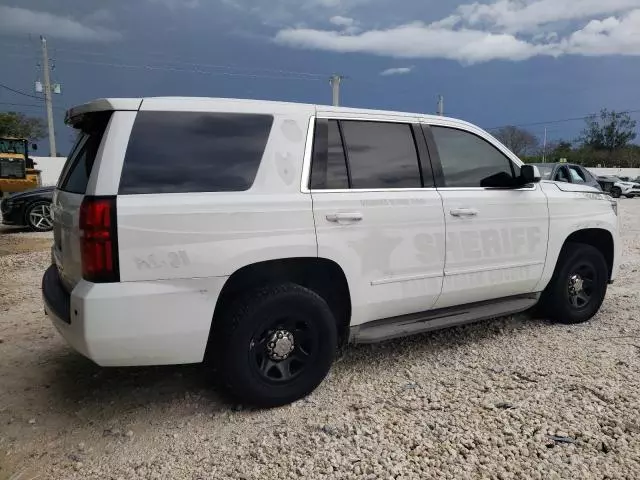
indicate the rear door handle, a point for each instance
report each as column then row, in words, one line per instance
column 463, row 212
column 342, row 218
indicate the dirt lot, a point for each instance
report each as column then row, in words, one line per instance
column 510, row 398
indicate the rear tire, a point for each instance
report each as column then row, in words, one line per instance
column 275, row 345
column 578, row 286
column 38, row 216
column 616, row 192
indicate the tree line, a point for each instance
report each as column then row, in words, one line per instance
column 606, row 140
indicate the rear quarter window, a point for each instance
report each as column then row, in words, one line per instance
column 77, row 170
column 180, row 152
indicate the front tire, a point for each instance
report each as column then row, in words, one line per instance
column 616, row 192
column 275, row 345
column 578, row 286
column 38, row 217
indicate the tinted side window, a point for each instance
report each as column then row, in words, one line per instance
column 329, row 167
column 179, row 152
column 76, row 172
column 381, row 155
column 561, row 175
column 576, row 175
column 468, row 159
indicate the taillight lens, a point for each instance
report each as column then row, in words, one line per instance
column 98, row 239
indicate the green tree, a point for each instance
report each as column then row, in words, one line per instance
column 559, row 149
column 609, row 131
column 13, row 124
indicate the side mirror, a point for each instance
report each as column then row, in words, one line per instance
column 529, row 174
column 34, row 146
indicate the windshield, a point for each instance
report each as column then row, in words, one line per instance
column 545, row 170
column 12, row 146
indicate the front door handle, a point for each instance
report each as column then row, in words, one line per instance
column 342, row 218
column 463, row 212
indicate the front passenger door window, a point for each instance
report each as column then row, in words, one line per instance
column 467, row 160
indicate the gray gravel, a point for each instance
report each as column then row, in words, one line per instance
column 510, row 398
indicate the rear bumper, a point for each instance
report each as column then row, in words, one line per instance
column 135, row 323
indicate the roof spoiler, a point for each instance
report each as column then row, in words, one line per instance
column 102, row 105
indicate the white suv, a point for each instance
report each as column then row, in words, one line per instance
column 623, row 188
column 266, row 235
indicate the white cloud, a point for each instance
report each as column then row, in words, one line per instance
column 611, row 36
column 518, row 16
column 416, row 40
column 503, row 30
column 396, row 71
column 16, row 20
column 341, row 21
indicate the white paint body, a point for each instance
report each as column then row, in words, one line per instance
column 408, row 253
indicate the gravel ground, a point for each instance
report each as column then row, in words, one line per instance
column 510, row 398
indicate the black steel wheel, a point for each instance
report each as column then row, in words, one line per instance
column 281, row 351
column 275, row 345
column 578, row 286
column 616, row 192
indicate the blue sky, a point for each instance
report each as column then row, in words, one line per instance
column 497, row 62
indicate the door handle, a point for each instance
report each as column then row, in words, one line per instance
column 344, row 217
column 463, row 212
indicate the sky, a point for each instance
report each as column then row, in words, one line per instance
column 497, row 62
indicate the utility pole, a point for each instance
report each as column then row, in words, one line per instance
column 48, row 99
column 335, row 89
column 440, row 105
column 544, row 146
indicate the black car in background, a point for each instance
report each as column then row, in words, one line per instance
column 567, row 172
column 31, row 208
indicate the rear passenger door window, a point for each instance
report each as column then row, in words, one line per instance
column 181, row 152
column 561, row 175
column 365, row 155
column 468, row 160
column 329, row 168
column 381, row 155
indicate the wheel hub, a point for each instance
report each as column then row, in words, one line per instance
column 280, row 345
column 576, row 284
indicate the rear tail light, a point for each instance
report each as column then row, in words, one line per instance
column 99, row 240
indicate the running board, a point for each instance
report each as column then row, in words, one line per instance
column 405, row 325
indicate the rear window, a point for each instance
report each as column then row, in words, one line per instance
column 90, row 129
column 180, row 152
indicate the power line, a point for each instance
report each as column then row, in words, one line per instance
column 19, row 92
column 178, row 69
column 176, row 61
column 34, row 105
column 173, row 60
column 563, row 120
column 198, row 68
